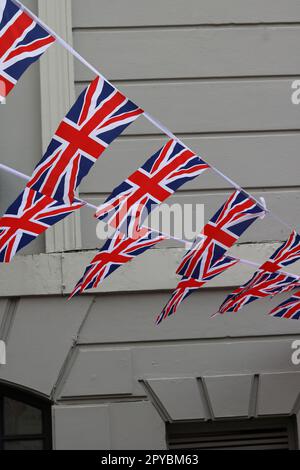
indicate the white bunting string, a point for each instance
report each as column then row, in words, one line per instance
column 187, row 244
column 150, row 118
column 20, row 175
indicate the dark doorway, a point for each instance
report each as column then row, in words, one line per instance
column 25, row 420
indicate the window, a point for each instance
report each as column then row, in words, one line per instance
column 252, row 434
column 25, row 420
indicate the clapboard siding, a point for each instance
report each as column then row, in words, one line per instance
column 20, row 138
column 215, row 105
column 219, row 75
column 120, row 13
column 189, row 52
column 276, row 156
column 285, row 203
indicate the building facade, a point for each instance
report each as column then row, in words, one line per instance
column 95, row 372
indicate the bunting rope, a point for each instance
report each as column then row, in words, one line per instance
column 150, row 118
column 24, row 177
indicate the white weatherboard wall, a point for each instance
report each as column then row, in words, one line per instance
column 220, row 79
column 219, row 74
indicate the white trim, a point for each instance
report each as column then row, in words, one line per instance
column 57, row 96
column 45, row 274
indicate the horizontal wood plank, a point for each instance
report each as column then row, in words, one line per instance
column 116, row 13
column 215, row 105
column 189, row 52
column 138, row 275
column 263, row 161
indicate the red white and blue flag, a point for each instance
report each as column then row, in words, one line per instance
column 188, row 285
column 219, row 234
column 116, row 251
column 286, row 254
column 22, row 42
column 261, row 285
column 27, row 218
column 132, row 201
column 290, row 308
column 99, row 116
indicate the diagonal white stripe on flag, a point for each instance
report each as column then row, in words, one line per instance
column 2, row 5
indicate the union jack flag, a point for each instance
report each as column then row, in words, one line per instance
column 27, row 218
column 219, row 234
column 188, row 285
column 168, row 169
column 100, row 115
column 290, row 308
column 22, row 42
column 286, row 254
column 116, row 251
column 290, row 287
column 261, row 285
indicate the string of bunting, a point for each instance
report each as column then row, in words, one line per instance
column 166, row 236
column 99, row 115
